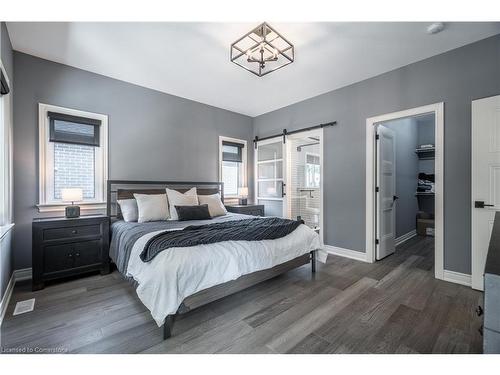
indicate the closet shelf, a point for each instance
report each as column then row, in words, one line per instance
column 427, row 149
column 426, row 153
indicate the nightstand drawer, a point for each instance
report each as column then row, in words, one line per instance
column 71, row 255
column 257, row 212
column 71, row 232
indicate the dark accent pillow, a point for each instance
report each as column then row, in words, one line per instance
column 199, row 212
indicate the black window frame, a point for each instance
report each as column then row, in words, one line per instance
column 4, row 86
column 58, row 137
column 229, row 156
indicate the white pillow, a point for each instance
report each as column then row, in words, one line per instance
column 151, row 207
column 215, row 205
column 129, row 210
column 189, row 198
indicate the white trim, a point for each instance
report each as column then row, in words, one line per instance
column 322, row 187
column 61, row 207
column 244, row 179
column 17, row 275
column 5, row 229
column 405, row 237
column 23, row 274
column 6, row 297
column 457, row 278
column 346, row 253
column 438, row 110
column 43, row 157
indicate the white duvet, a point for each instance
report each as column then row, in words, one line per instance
column 177, row 273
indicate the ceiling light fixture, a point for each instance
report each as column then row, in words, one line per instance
column 435, row 28
column 262, row 51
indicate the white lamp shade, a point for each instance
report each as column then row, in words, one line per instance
column 72, row 195
column 244, row 191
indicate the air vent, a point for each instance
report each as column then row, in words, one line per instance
column 24, row 306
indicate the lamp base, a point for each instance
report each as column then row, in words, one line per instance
column 72, row 212
column 243, row 201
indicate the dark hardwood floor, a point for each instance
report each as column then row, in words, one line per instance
column 392, row 306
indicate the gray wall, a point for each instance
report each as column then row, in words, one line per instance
column 152, row 135
column 406, row 173
column 5, row 243
column 455, row 78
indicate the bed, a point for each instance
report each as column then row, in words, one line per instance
column 181, row 279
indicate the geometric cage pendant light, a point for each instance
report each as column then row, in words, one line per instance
column 262, row 51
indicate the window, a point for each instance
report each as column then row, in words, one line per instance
column 233, row 164
column 312, row 171
column 73, row 154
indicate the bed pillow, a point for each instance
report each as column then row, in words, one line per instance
column 215, row 205
column 129, row 210
column 151, row 207
column 198, row 212
column 189, row 198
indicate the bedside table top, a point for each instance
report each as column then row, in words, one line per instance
column 63, row 218
column 244, row 205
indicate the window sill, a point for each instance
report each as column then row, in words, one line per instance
column 4, row 229
column 60, row 207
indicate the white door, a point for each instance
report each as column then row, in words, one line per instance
column 386, row 183
column 270, row 166
column 485, row 180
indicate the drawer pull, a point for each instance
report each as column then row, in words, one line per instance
column 74, row 231
column 77, row 254
column 70, row 255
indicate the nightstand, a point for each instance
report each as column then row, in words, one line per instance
column 66, row 247
column 249, row 209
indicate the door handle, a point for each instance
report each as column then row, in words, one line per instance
column 481, row 204
column 395, row 198
column 283, row 192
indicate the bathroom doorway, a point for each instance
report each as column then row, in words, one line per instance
column 304, row 177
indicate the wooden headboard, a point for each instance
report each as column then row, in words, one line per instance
column 123, row 189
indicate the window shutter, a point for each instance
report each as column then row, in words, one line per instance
column 232, row 151
column 74, row 129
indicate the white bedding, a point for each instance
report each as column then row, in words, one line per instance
column 177, row 273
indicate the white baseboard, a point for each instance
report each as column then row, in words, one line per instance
column 23, row 274
column 347, row 253
column 457, row 278
column 17, row 275
column 6, row 297
column 405, row 237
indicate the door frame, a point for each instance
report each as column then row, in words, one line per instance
column 438, row 110
column 284, row 199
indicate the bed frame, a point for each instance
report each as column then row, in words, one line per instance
column 124, row 189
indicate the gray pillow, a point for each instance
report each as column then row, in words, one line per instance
column 129, row 210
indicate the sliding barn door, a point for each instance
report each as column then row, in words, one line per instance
column 270, row 170
column 386, row 192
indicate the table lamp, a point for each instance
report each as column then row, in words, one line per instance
column 72, row 195
column 243, row 195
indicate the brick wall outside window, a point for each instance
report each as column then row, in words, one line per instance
column 74, row 168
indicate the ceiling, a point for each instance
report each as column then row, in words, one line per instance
column 191, row 60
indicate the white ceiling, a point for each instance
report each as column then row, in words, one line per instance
column 191, row 60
